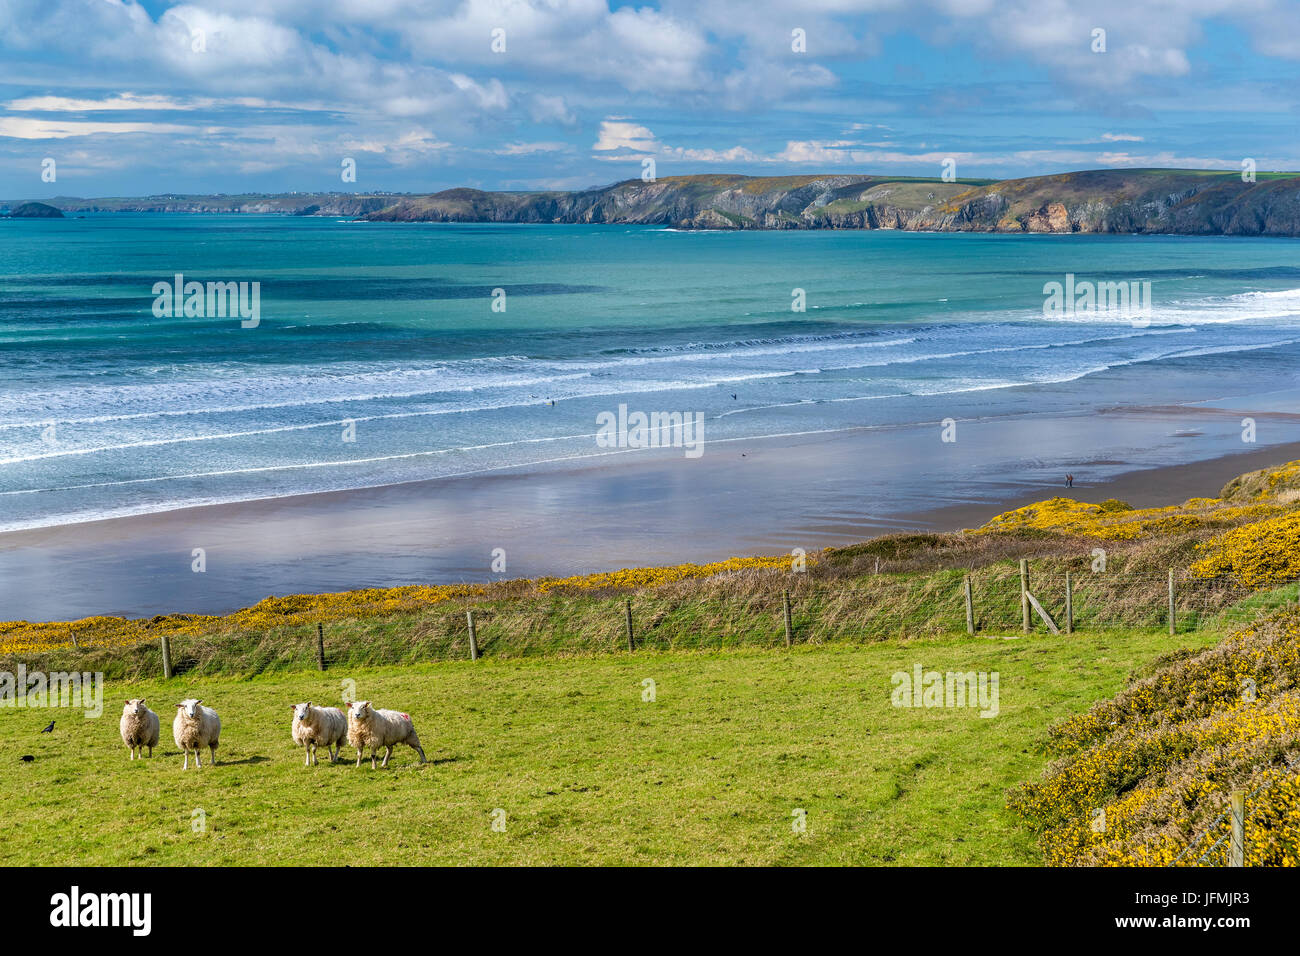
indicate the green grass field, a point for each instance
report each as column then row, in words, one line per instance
column 710, row 772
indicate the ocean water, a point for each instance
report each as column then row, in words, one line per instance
column 379, row 357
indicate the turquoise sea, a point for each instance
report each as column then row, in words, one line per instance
column 107, row 410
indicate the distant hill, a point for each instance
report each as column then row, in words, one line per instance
column 294, row 204
column 34, row 210
column 1182, row 201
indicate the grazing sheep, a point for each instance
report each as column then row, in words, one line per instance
column 372, row 728
column 139, row 726
column 313, row 726
column 194, row 728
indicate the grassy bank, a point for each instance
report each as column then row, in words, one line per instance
column 586, row 771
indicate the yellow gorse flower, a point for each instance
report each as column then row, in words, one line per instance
column 296, row 610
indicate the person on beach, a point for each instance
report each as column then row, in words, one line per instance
column 1069, row 481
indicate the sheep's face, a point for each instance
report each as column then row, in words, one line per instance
column 300, row 711
column 135, row 706
column 190, row 707
column 358, row 710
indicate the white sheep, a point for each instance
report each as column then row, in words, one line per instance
column 194, row 728
column 372, row 728
column 313, row 726
column 139, row 726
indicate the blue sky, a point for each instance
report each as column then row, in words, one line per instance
column 135, row 98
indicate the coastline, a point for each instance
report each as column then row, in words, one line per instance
column 743, row 498
column 1141, row 488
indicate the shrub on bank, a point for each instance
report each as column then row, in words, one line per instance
column 1260, row 554
column 1156, row 763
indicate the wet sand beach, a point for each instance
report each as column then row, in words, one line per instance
column 741, row 497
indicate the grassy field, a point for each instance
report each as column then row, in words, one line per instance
column 585, row 770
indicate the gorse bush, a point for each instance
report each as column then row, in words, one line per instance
column 654, row 577
column 1160, row 759
column 18, row 637
column 299, row 610
column 1115, row 521
column 1258, row 555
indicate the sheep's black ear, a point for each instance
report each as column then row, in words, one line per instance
column 142, row 700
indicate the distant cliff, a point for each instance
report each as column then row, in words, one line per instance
column 346, row 205
column 1188, row 202
column 1191, row 202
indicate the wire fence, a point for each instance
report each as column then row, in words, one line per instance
column 744, row 610
column 1232, row 825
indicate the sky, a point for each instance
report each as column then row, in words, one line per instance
column 126, row 98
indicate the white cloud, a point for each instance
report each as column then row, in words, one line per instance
column 121, row 101
column 530, row 149
column 550, row 109
column 616, row 134
column 637, row 48
column 23, row 127
column 620, row 139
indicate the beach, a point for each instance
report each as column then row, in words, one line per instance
column 644, row 508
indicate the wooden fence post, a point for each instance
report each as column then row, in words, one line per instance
column 167, row 656
column 320, row 646
column 789, row 629
column 1024, row 595
column 627, row 608
column 1069, row 605
column 473, row 635
column 1173, row 614
column 970, row 607
column 1237, row 844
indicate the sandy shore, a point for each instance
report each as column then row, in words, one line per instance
column 1168, row 484
column 747, row 497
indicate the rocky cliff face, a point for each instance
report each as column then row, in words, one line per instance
column 1120, row 201
column 1190, row 202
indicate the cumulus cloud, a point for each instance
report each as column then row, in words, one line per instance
column 620, row 139
column 617, row 135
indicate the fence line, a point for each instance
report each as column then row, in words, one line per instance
column 757, row 610
column 767, row 611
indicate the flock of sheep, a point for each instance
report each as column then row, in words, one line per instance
column 197, row 727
